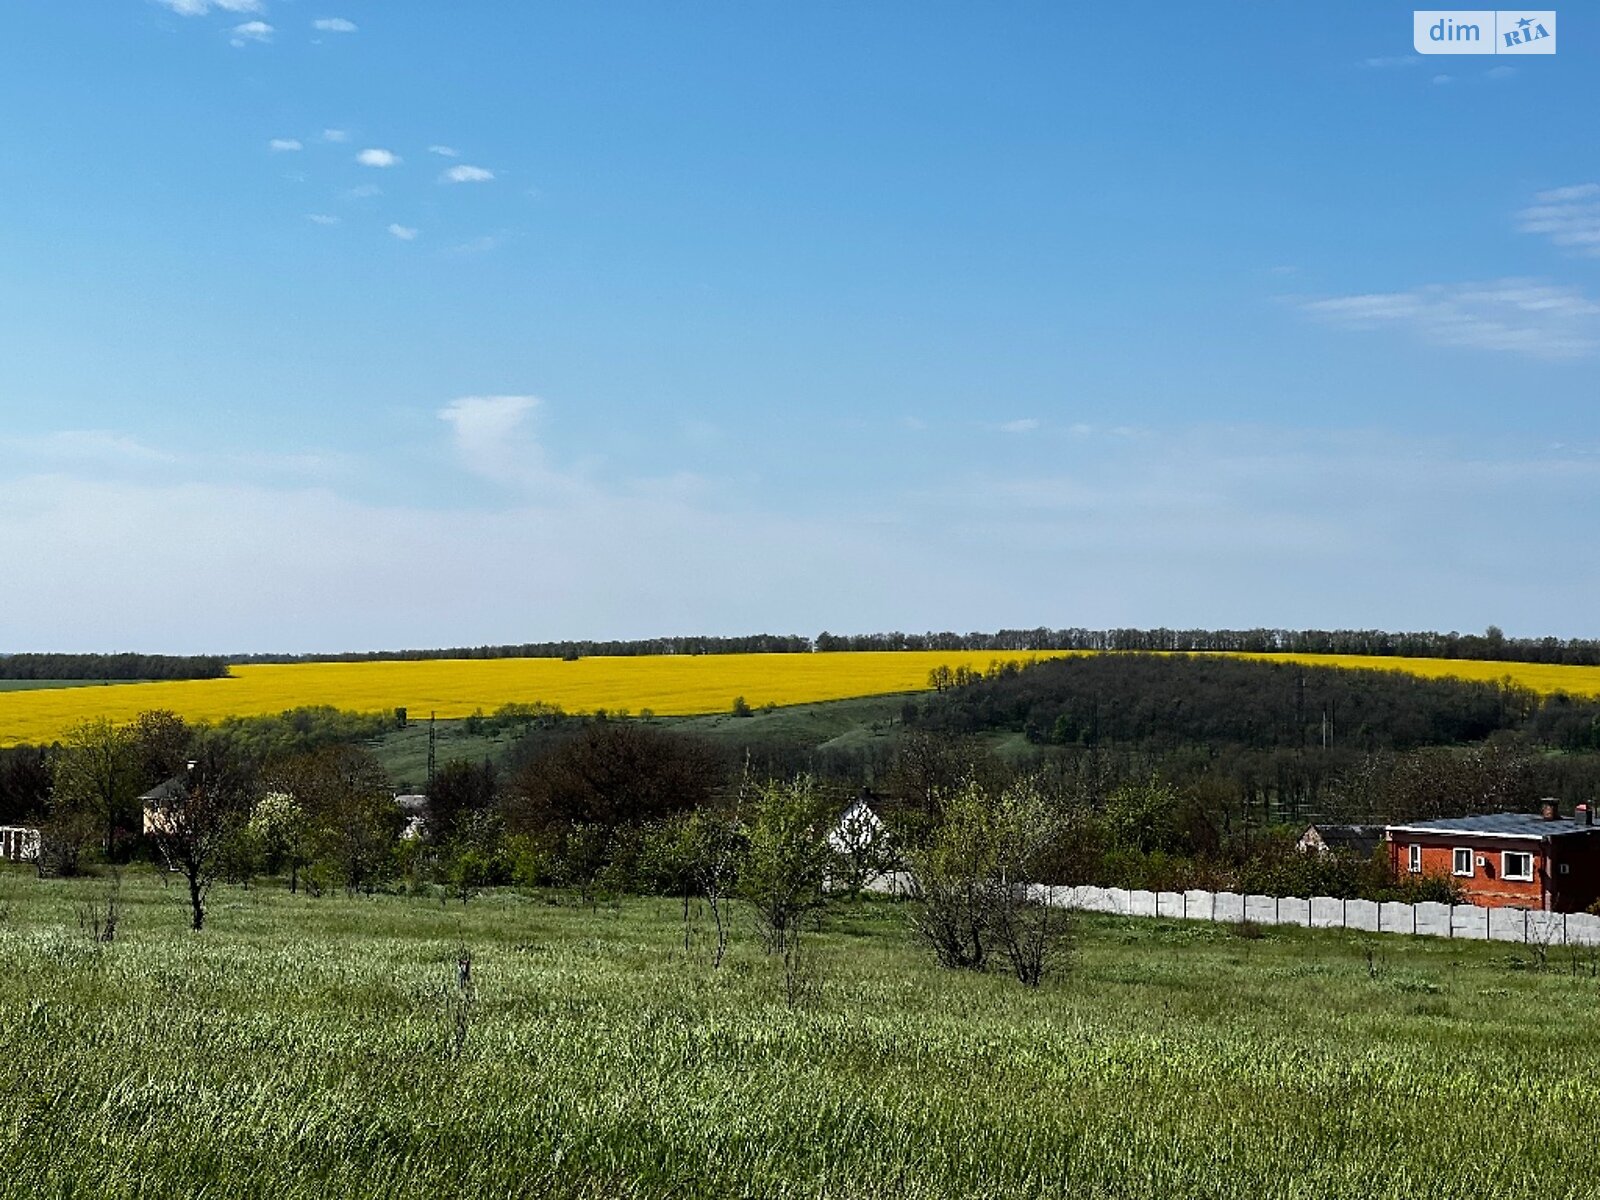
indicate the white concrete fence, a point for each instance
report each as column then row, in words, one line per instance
column 1427, row 919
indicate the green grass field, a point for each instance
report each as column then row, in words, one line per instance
column 36, row 685
column 303, row 1048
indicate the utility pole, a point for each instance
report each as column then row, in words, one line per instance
column 432, row 739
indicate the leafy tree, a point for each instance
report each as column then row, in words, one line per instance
column 461, row 790
column 785, row 868
column 285, row 833
column 613, row 774
column 96, row 775
column 977, row 883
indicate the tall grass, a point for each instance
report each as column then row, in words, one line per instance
column 313, row 1048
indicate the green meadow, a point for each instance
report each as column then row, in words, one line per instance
column 320, row 1047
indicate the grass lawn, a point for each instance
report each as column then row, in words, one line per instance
column 305, row 1048
column 39, row 685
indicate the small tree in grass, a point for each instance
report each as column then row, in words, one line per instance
column 786, row 866
column 195, row 824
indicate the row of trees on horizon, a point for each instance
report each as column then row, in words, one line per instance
column 1491, row 645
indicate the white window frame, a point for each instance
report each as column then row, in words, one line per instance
column 1455, row 861
column 1414, row 858
column 1505, row 866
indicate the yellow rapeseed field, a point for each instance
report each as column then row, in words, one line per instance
column 670, row 685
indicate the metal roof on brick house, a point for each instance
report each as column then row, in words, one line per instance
column 1505, row 825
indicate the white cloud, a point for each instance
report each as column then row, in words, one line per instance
column 1499, row 72
column 252, row 31
column 1520, row 316
column 199, row 8
column 1441, row 79
column 334, row 25
column 404, row 232
column 1568, row 216
column 378, row 158
column 1024, row 425
column 466, row 174
column 335, row 135
column 100, row 447
column 321, row 219
column 445, row 151
column 282, row 144
column 491, row 436
column 365, row 192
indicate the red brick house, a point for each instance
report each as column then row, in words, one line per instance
column 1507, row 860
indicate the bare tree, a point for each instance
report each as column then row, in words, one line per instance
column 194, row 822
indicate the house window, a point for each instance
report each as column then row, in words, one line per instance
column 1414, row 858
column 1517, row 864
column 1461, row 861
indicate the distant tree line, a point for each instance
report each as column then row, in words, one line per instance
column 112, row 666
column 1490, row 645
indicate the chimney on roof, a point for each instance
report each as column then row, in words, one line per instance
column 1583, row 814
column 1550, row 809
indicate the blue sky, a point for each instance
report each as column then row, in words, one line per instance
column 355, row 324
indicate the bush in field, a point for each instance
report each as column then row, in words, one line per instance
column 976, row 881
column 785, row 868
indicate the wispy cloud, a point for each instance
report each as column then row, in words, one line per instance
column 282, row 144
column 252, row 31
column 335, row 135
column 1499, row 72
column 405, row 233
column 1395, row 60
column 334, row 25
column 378, row 158
column 1022, row 425
column 1568, row 216
column 492, row 438
column 321, row 219
column 466, row 174
column 199, row 8
column 102, row 447
column 365, row 192
column 1520, row 316
column 445, row 151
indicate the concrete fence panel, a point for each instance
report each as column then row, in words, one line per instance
column 1263, row 910
column 1361, row 914
column 1142, row 903
column 1120, row 900
column 1469, row 921
column 1199, row 905
column 1294, row 911
column 1582, row 929
column 1229, row 907
column 1169, row 904
column 1327, row 913
column 1508, row 924
column 1434, row 919
column 1395, row 917
column 1546, row 928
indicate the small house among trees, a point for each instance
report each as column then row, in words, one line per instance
column 19, row 843
column 1357, row 841
column 1506, row 860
